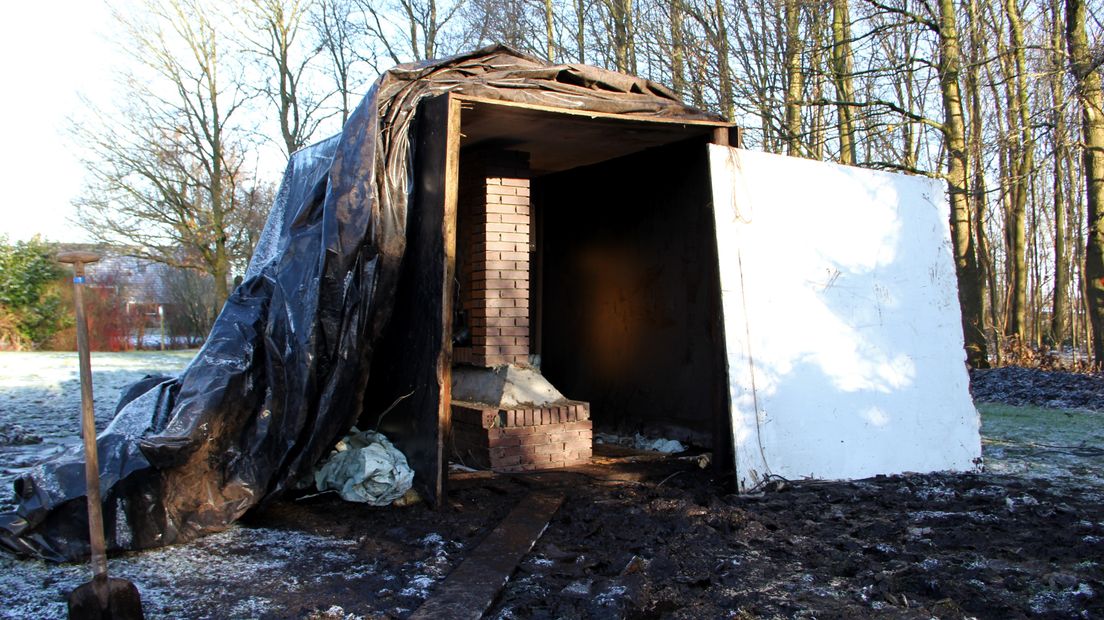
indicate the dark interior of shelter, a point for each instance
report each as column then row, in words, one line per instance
column 584, row 250
column 628, row 291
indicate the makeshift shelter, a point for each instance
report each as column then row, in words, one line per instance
column 497, row 212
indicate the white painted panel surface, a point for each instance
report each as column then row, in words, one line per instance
column 842, row 324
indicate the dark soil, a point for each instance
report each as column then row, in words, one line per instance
column 943, row 546
column 675, row 544
column 1026, row 386
column 647, row 538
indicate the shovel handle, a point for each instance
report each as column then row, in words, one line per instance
column 88, row 418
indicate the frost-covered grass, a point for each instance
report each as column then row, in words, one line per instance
column 232, row 574
column 1065, row 444
column 41, row 391
column 40, row 399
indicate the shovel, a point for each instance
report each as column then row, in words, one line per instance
column 103, row 597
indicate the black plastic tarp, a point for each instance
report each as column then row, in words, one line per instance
column 283, row 373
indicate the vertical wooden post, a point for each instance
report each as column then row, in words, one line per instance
column 96, row 540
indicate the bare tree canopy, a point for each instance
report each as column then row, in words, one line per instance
column 996, row 97
column 168, row 167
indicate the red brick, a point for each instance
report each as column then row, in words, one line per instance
column 505, row 461
column 512, row 199
column 507, row 440
column 514, row 274
column 548, row 448
column 493, row 283
column 522, row 428
column 530, row 452
column 513, row 236
column 500, row 246
column 578, row 426
column 513, row 293
column 493, row 265
column 493, row 341
column 503, row 303
column 533, row 439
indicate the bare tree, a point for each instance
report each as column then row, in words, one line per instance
column 1021, row 150
column 343, row 41
column 1087, row 78
column 274, row 35
column 842, row 70
column 795, row 75
column 167, row 175
column 1059, row 318
column 962, row 238
column 410, row 29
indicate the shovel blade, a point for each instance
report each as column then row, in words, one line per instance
column 106, row 599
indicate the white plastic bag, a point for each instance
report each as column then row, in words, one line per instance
column 366, row 468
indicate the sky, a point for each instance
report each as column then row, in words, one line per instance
column 52, row 51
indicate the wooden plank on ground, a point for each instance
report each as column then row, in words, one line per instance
column 471, row 588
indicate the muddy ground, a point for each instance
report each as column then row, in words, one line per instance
column 665, row 539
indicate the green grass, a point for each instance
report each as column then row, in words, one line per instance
column 1041, row 441
column 1039, row 424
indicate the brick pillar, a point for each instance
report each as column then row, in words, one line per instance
column 494, row 198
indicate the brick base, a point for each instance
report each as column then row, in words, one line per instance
column 522, row 439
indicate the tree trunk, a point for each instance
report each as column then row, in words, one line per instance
column 978, row 198
column 795, row 82
column 549, row 32
column 724, row 70
column 1059, row 317
column 1022, row 155
column 580, row 32
column 678, row 48
column 842, row 70
column 966, row 268
column 1092, row 135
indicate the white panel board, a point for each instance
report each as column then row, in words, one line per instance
column 842, row 324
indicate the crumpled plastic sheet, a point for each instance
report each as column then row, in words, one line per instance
column 283, row 372
column 641, row 442
column 367, row 468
